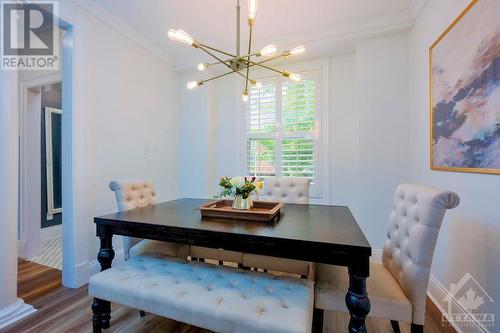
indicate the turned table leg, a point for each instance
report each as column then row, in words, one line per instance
column 357, row 298
column 102, row 308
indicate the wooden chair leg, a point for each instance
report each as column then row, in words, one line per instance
column 395, row 326
column 318, row 315
column 417, row 328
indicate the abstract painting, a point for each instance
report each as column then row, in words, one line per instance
column 465, row 92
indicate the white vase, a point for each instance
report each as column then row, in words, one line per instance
column 240, row 203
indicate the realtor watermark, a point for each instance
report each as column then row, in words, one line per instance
column 29, row 36
column 468, row 305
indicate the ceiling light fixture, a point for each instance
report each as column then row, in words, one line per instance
column 238, row 63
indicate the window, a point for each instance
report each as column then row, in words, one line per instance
column 281, row 126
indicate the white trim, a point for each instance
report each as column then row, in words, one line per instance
column 51, row 210
column 51, row 232
column 436, row 291
column 15, row 312
column 103, row 15
column 94, row 267
column 376, row 256
column 22, row 249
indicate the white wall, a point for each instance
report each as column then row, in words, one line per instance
column 383, row 125
column 470, row 237
column 132, row 122
column 368, row 131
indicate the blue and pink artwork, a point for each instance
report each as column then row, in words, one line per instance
column 465, row 92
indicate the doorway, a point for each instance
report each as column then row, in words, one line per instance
column 40, row 178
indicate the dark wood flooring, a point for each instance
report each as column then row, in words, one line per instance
column 68, row 310
column 35, row 280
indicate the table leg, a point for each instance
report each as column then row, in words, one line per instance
column 318, row 315
column 102, row 308
column 357, row 298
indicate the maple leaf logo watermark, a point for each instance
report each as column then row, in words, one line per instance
column 471, row 301
column 467, row 305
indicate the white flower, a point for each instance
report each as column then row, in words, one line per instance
column 237, row 182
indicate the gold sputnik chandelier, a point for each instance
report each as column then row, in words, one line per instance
column 238, row 63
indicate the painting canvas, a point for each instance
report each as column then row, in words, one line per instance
column 465, row 92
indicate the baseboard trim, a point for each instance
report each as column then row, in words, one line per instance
column 436, row 292
column 15, row 312
column 376, row 255
column 436, row 312
column 94, row 267
column 22, row 249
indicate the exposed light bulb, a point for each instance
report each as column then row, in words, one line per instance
column 268, row 50
column 202, row 66
column 292, row 76
column 295, row 77
column 193, row 84
column 252, row 8
column 298, row 50
column 180, row 36
column 256, row 84
column 245, row 96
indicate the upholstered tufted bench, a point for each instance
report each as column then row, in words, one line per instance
column 218, row 298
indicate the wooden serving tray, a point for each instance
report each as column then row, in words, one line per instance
column 261, row 211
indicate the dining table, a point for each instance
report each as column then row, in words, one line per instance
column 323, row 234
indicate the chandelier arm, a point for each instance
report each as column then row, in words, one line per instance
column 264, row 66
column 248, row 58
column 218, row 76
column 216, row 50
column 269, row 59
column 221, row 61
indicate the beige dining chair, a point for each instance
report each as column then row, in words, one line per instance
column 397, row 287
column 138, row 194
column 291, row 191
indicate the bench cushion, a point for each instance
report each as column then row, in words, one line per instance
column 218, row 298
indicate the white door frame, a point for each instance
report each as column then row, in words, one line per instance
column 76, row 219
column 30, row 176
column 75, row 145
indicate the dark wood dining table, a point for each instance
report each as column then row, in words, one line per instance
column 316, row 233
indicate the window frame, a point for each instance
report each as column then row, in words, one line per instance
column 318, row 70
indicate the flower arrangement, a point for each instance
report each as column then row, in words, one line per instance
column 239, row 186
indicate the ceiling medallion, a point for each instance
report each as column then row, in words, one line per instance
column 238, row 63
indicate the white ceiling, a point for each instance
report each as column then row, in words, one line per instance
column 318, row 24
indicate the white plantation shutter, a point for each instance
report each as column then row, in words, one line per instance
column 281, row 129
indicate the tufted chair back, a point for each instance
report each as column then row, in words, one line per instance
column 130, row 195
column 289, row 190
column 414, row 223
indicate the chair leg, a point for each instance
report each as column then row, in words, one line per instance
column 395, row 326
column 417, row 328
column 98, row 310
column 317, row 326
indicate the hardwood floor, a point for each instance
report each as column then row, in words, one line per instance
column 68, row 310
column 35, row 281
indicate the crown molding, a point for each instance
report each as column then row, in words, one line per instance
column 416, row 7
column 322, row 40
column 92, row 7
